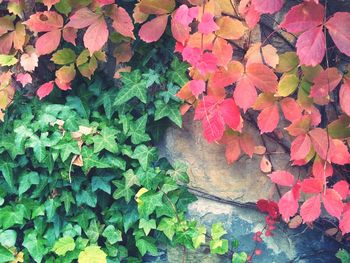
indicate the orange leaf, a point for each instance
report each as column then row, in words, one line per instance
column 96, row 36
column 265, row 165
column 230, row 28
column 122, row 22
column 157, row 7
column 69, row 34
column 262, row 77
column 44, row 21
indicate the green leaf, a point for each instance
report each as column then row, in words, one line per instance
column 64, row 56
column 178, row 72
column 90, row 160
column 6, row 168
column 63, row 245
column 7, row 60
column 67, row 146
column 170, row 110
column 145, row 155
column 137, row 131
column 38, row 147
column 36, row 247
column 167, row 226
column 67, row 199
column 5, row 255
column 8, row 238
column 102, row 183
column 86, row 197
column 149, row 202
column 106, row 140
column 199, row 238
column 147, row 244
column 10, row 216
column 123, row 191
column 343, row 255
column 134, row 86
column 147, row 225
column 217, row 231
column 218, row 246
column 113, row 235
column 179, row 172
column 287, row 85
column 27, row 180
column 92, row 254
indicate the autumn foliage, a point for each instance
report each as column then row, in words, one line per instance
column 226, row 87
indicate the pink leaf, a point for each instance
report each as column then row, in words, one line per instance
column 288, row 204
column 291, row 109
column 48, row 42
column 342, row 188
column 262, row 77
column 24, row 78
column 122, row 22
column 245, row 94
column 44, row 21
column 185, row 15
column 325, row 82
column 207, row 63
column 233, row 150
column 303, row 17
column 344, row 97
column 340, row 153
column 283, row 178
column 311, row 47
column 300, row 147
column 270, row 7
column 323, row 145
column 230, row 113
column 180, row 32
column 344, row 223
column 96, row 35
column 223, row 51
column 153, row 29
column 197, row 87
column 82, row 18
column 311, row 209
column 339, row 28
column 50, row 3
column 312, row 185
column 268, row 119
column 207, row 24
column 45, row 90
column 332, row 202
column 69, row 34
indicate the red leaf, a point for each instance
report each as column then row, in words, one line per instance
column 325, row 82
column 303, row 17
column 320, row 170
column 122, row 22
column 45, row 89
column 283, row 178
column 185, row 15
column 233, row 150
column 323, row 145
column 338, row 27
column 245, row 94
column 291, row 109
column 342, row 188
column 268, row 119
column 197, row 87
column 153, row 29
column 270, row 7
column 48, row 42
column 24, row 79
column 262, row 77
column 96, row 36
column 311, row 209
column 191, row 55
column 344, row 223
column 50, row 3
column 312, row 185
column 246, row 141
column 230, row 113
column 223, row 51
column 180, row 32
column 311, row 47
column 82, row 18
column 227, row 76
column 332, row 202
column 288, row 204
column 250, row 14
column 207, row 63
column 340, row 153
column 300, row 147
column 44, row 21
column 344, row 97
column 300, row 126
column 207, row 24
column 69, row 34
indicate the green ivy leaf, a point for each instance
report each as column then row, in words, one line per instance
column 149, row 202
column 8, row 238
column 64, row 56
column 178, row 72
column 170, row 110
column 35, row 246
column 199, row 237
column 113, row 235
column 147, row 225
column 38, row 147
column 147, row 244
column 92, row 254
column 240, row 257
column 145, row 155
column 7, row 60
column 63, row 245
column 134, row 86
column 102, row 183
column 343, row 255
column 6, row 167
column 137, row 131
column 167, row 226
column 218, row 246
column 90, row 160
column 5, row 255
column 67, row 199
column 217, row 231
column 123, row 191
column 106, row 140
column 27, row 180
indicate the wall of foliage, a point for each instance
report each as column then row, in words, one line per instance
column 301, row 94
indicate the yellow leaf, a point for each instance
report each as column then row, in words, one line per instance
column 230, row 28
column 92, row 254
